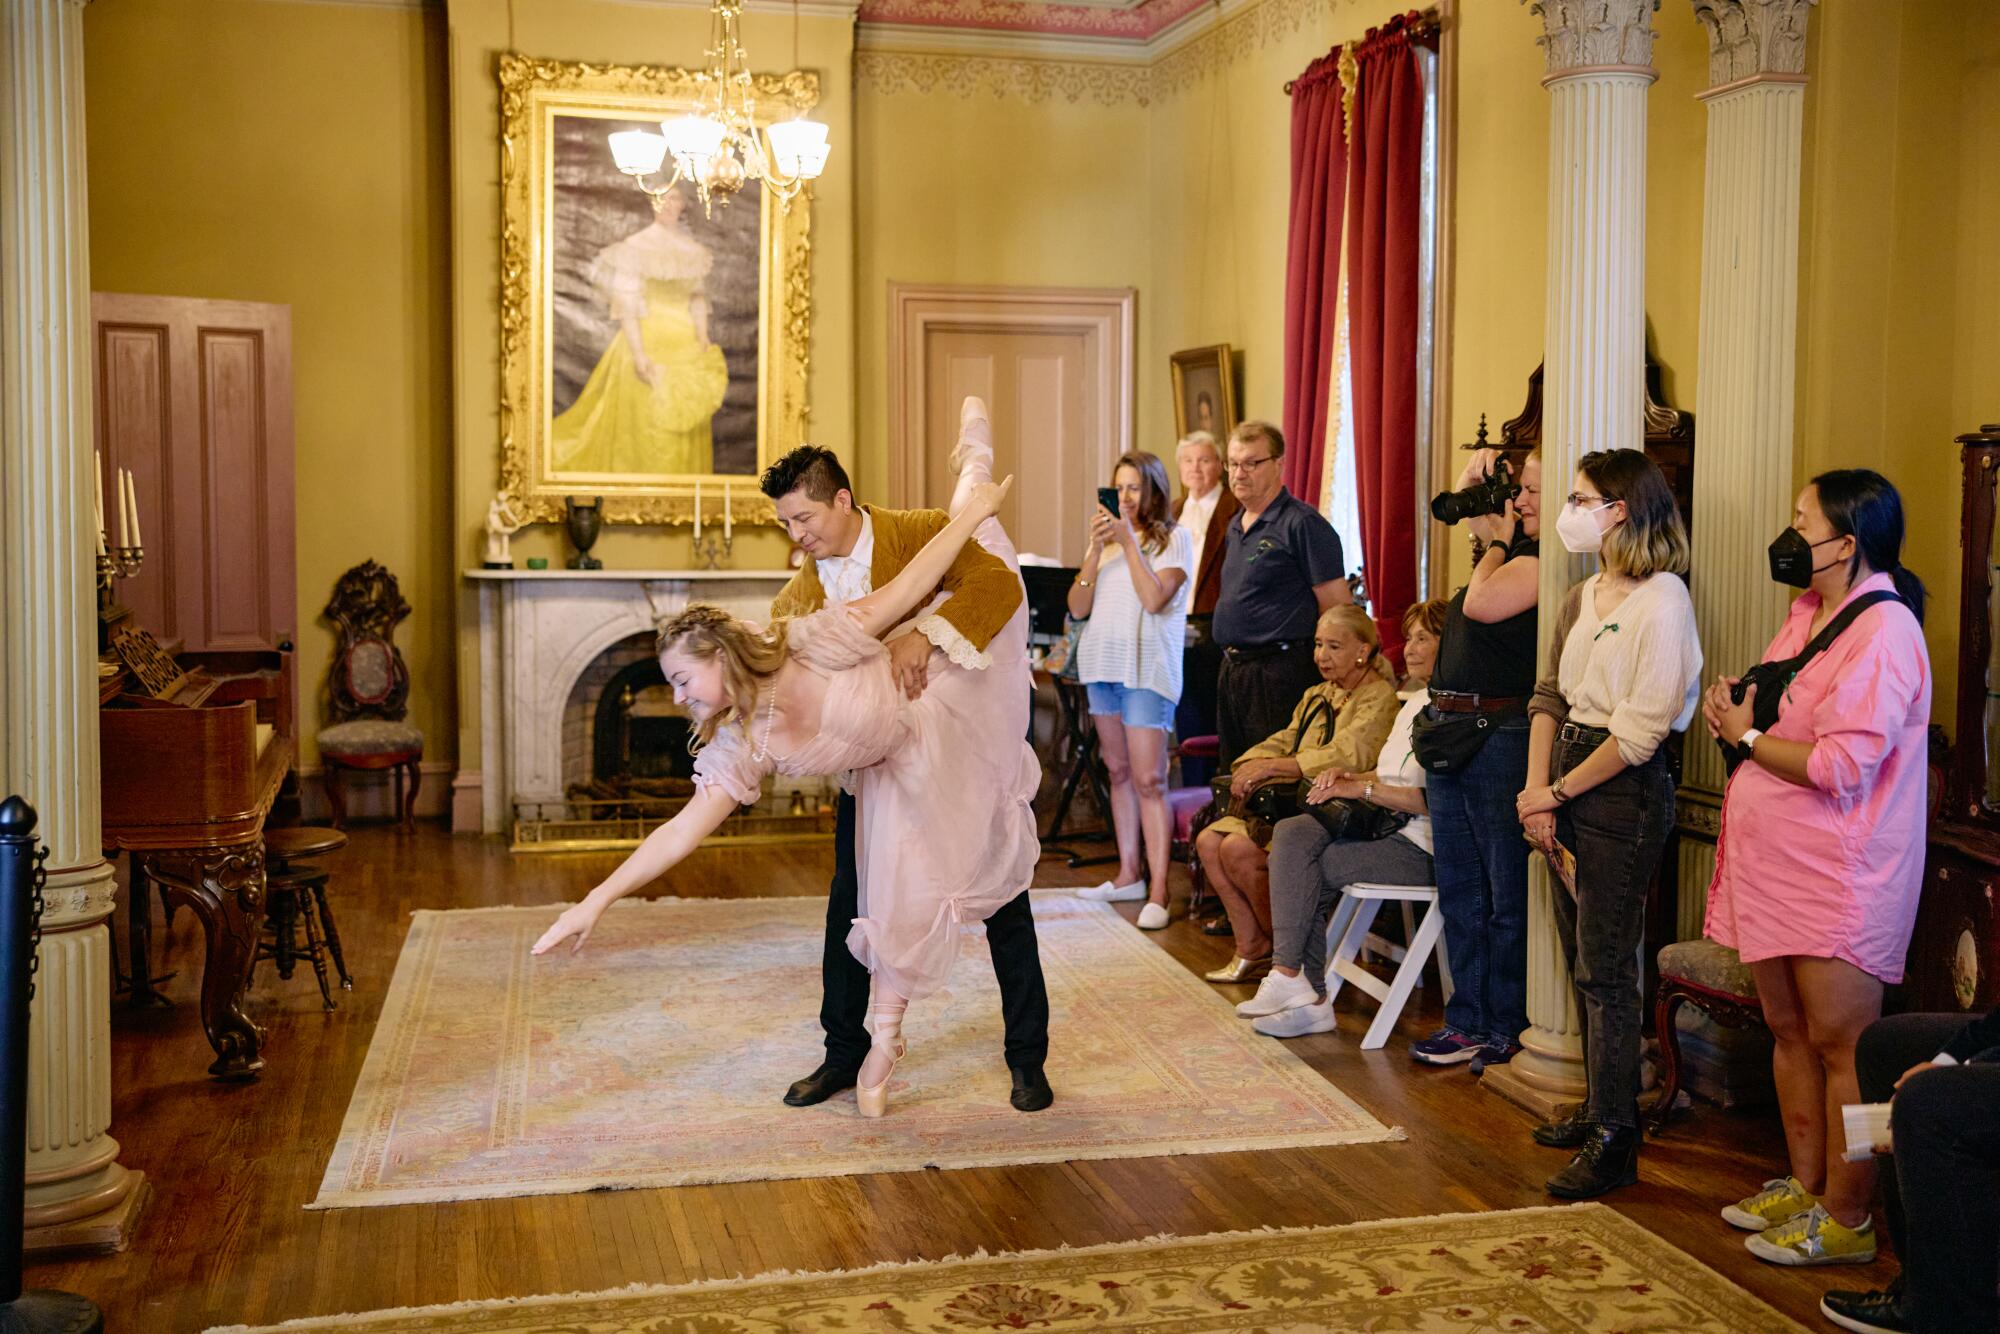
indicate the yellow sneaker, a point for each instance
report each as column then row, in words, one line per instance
column 1813, row 1238
column 1781, row 1200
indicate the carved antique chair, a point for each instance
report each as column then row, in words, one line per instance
column 367, row 692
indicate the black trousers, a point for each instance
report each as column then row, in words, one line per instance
column 1201, row 664
column 1256, row 693
column 1010, row 937
column 1942, row 1201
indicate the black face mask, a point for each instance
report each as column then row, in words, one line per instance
column 1792, row 560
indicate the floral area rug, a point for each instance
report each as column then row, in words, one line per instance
column 1580, row 1268
column 658, row 1056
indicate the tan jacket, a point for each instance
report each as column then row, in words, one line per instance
column 1208, row 579
column 1362, row 719
column 984, row 593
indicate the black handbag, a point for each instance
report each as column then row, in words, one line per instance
column 1275, row 801
column 1348, row 820
column 1772, row 679
column 1444, row 743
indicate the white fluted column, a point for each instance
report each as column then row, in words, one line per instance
column 1593, row 395
column 78, row 1194
column 1743, row 400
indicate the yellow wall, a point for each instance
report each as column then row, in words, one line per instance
column 296, row 154
column 1899, row 321
column 609, row 31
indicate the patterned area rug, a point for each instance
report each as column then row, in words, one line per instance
column 658, row 1055
column 1582, row 1268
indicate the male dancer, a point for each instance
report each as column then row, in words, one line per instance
column 853, row 549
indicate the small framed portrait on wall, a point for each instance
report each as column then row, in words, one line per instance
column 1204, row 391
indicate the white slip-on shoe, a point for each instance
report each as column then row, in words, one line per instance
column 1153, row 917
column 1314, row 1018
column 1110, row 893
column 1276, row 994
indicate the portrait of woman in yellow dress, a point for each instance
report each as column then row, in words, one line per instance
column 650, row 400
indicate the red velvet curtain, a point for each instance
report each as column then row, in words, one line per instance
column 1312, row 269
column 1383, row 217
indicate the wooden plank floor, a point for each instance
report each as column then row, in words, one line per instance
column 226, row 1238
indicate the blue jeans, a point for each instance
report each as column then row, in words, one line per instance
column 1482, row 879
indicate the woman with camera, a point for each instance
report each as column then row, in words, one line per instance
column 1821, row 854
column 1473, row 745
column 1626, row 672
column 1371, row 827
column 1339, row 725
column 1133, row 588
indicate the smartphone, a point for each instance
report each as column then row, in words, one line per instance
column 1107, row 496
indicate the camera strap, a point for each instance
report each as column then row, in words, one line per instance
column 1789, row 668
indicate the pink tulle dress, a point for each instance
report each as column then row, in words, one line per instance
column 943, row 785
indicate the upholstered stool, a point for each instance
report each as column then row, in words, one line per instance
column 1349, row 928
column 1711, row 978
column 1188, row 806
column 293, row 887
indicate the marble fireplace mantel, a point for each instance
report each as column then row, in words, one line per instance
column 538, row 631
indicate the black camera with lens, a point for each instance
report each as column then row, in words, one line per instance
column 1487, row 497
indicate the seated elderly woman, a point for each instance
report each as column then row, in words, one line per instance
column 1355, row 828
column 1338, row 725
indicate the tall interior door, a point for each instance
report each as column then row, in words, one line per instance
column 1037, row 386
column 195, row 398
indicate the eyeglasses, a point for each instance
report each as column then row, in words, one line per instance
column 1581, row 501
column 1248, row 465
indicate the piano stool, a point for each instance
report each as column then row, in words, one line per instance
column 290, row 884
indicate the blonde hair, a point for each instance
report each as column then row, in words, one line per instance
column 1652, row 538
column 1362, row 626
column 749, row 656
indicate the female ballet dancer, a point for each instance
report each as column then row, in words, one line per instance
column 943, row 784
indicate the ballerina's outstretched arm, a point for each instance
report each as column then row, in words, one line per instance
column 663, row 849
column 885, row 608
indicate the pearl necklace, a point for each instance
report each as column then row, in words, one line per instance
column 763, row 750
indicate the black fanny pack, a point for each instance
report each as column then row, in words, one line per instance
column 1445, row 743
column 1772, row 679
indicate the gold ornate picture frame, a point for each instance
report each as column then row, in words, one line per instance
column 627, row 333
column 1205, row 391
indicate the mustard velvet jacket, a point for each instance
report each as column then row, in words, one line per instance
column 1362, row 719
column 983, row 593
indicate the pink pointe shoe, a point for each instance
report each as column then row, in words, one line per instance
column 975, row 432
column 885, row 1027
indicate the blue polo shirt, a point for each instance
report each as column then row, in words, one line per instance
column 1269, row 572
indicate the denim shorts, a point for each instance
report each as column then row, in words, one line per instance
column 1136, row 708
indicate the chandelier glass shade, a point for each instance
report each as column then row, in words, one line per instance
column 718, row 145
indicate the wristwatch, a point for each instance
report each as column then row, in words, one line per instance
column 1368, row 791
column 1749, row 741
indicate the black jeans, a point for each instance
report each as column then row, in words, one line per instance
column 1256, row 693
column 1010, row 937
column 1617, row 830
column 1942, row 1201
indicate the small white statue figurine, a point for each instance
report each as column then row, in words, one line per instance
column 500, row 525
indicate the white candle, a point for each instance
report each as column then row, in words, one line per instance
column 697, row 511
column 727, row 520
column 97, row 496
column 132, row 485
column 124, row 513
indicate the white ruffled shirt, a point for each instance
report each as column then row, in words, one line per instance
column 850, row 577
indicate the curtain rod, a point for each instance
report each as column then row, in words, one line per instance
column 1424, row 32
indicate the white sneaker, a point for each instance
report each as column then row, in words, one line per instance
column 1276, row 994
column 1153, row 917
column 1314, row 1018
column 1110, row 893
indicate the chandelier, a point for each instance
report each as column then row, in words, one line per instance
column 717, row 145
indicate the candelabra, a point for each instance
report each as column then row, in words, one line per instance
column 712, row 552
column 113, row 563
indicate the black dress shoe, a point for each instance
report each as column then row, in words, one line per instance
column 1568, row 1133
column 820, row 1085
column 1608, row 1159
column 1031, row 1090
column 1217, row 926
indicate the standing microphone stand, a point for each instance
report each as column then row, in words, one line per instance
column 21, row 879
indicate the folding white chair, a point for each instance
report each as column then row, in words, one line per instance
column 1347, row 932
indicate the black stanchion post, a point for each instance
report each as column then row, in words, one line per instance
column 41, row 1311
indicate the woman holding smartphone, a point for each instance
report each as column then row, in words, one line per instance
column 1132, row 594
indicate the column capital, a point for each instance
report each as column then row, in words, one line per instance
column 1596, row 35
column 1749, row 39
